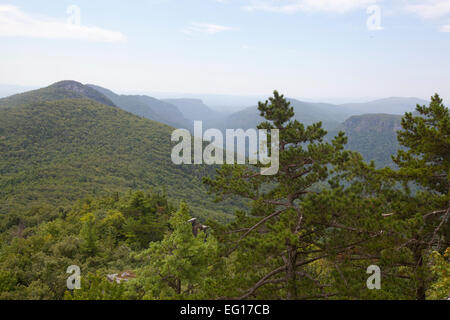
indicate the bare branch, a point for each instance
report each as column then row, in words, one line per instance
column 262, row 221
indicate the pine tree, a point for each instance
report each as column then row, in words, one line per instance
column 279, row 248
column 426, row 137
column 407, row 207
column 424, row 165
column 178, row 267
column 97, row 287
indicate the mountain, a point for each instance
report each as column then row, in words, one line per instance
column 195, row 109
column 147, row 107
column 393, row 105
column 373, row 135
column 60, row 90
column 56, row 152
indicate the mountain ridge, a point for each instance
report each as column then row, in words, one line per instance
column 57, row 91
column 147, row 107
column 391, row 105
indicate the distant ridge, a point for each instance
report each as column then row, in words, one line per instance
column 393, row 105
column 147, row 107
column 194, row 109
column 140, row 105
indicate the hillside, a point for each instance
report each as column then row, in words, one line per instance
column 60, row 90
column 57, row 152
column 147, row 107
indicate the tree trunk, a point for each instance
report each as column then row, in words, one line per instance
column 420, row 287
column 291, row 274
column 178, row 289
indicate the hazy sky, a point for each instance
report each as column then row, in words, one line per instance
column 303, row 48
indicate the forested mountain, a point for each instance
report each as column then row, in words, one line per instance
column 56, row 152
column 147, row 107
column 373, row 135
column 60, row 90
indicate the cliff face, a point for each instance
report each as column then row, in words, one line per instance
column 380, row 123
column 374, row 136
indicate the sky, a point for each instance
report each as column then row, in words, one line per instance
column 315, row 49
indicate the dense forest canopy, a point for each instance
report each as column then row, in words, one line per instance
column 57, row 152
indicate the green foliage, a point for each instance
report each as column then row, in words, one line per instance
column 303, row 236
column 96, row 287
column 7, row 281
column 420, row 220
column 440, row 289
column 179, row 267
column 411, row 224
column 92, row 235
column 427, row 137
